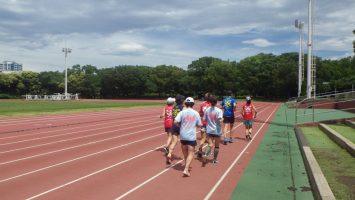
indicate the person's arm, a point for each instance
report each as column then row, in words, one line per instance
column 177, row 120
column 163, row 114
column 254, row 111
column 242, row 112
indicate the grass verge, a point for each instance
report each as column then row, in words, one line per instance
column 25, row 108
column 344, row 130
column 336, row 163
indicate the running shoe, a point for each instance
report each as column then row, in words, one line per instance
column 230, row 140
column 225, row 141
column 199, row 154
column 166, row 149
column 215, row 161
column 168, row 160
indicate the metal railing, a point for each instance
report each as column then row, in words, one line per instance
column 334, row 99
column 55, row 97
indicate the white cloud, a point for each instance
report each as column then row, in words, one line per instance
column 110, row 32
column 259, row 42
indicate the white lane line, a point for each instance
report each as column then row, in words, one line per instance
column 208, row 196
column 127, row 193
column 147, row 181
column 79, row 158
column 160, row 173
column 72, row 128
column 92, row 174
column 77, row 146
column 70, row 133
column 52, row 118
column 75, row 138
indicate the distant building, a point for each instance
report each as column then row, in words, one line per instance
column 10, row 66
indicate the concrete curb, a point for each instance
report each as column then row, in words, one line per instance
column 339, row 139
column 320, row 186
column 350, row 123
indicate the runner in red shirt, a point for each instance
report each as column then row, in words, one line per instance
column 168, row 121
column 203, row 107
column 248, row 110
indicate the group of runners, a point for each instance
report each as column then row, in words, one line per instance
column 215, row 121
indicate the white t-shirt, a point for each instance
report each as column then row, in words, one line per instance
column 213, row 115
column 188, row 119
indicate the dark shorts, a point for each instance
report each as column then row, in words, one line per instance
column 213, row 135
column 168, row 130
column 228, row 119
column 185, row 142
column 175, row 130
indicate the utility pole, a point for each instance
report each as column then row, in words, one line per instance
column 66, row 51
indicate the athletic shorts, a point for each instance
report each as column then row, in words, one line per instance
column 168, row 130
column 248, row 122
column 175, row 130
column 213, row 135
column 228, row 119
column 186, row 142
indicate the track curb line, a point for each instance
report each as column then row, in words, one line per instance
column 320, row 186
column 338, row 138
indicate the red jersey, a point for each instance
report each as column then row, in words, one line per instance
column 203, row 108
column 168, row 116
column 248, row 111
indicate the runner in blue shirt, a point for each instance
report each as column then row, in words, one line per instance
column 188, row 119
column 229, row 106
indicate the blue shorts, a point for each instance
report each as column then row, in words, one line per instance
column 248, row 122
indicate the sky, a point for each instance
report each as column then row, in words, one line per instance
column 108, row 33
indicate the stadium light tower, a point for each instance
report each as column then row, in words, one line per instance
column 299, row 25
column 66, row 51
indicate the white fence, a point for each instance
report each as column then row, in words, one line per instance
column 55, row 97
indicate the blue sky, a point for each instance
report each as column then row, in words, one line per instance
column 108, row 33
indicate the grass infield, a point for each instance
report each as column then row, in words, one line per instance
column 25, row 108
column 336, row 163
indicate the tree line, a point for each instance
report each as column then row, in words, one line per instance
column 263, row 75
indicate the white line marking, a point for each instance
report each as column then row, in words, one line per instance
column 92, row 174
column 65, row 129
column 147, row 181
column 76, row 138
column 78, row 158
column 70, row 133
column 73, row 147
column 208, row 196
column 157, row 175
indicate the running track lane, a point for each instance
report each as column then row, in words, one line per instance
column 126, row 168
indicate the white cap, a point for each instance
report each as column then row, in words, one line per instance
column 190, row 99
column 170, row 100
column 248, row 98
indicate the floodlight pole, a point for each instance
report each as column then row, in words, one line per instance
column 310, row 49
column 299, row 25
column 66, row 51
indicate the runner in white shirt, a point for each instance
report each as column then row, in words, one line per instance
column 188, row 119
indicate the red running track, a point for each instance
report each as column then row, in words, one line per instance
column 114, row 155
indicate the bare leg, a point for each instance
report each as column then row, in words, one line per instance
column 231, row 132
column 190, row 154
column 171, row 147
